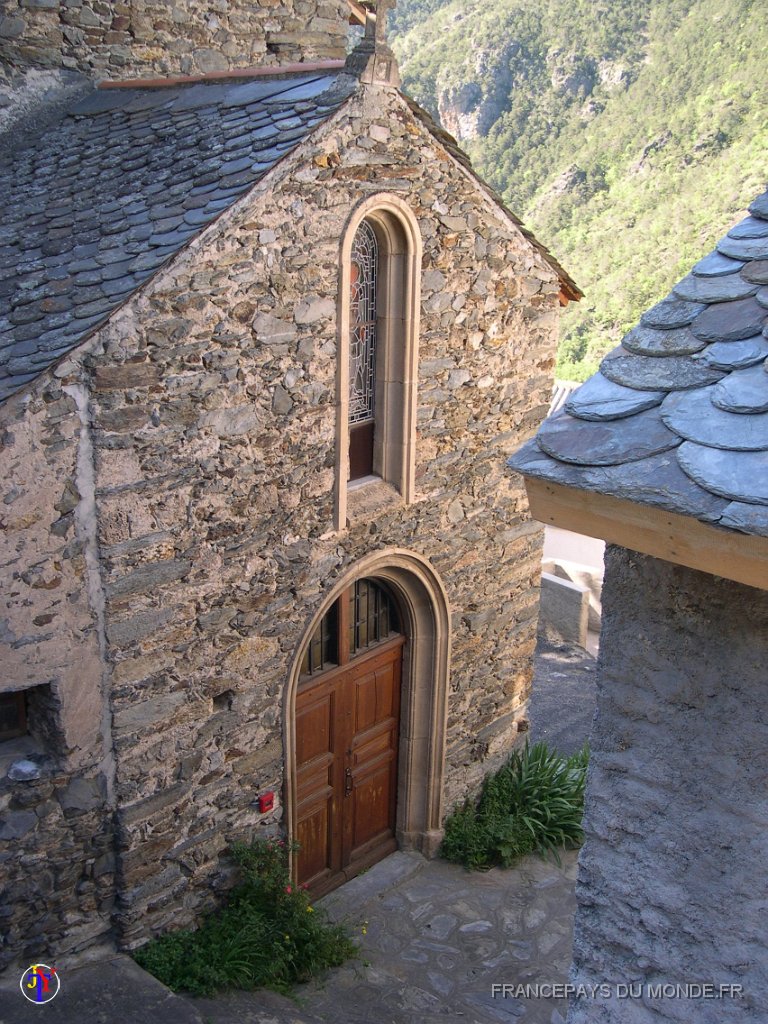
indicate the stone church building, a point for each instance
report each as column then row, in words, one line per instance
column 265, row 343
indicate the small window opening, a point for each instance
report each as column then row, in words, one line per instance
column 13, row 715
column 35, row 713
column 223, row 701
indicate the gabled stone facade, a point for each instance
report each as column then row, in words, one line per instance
column 177, row 517
column 208, row 407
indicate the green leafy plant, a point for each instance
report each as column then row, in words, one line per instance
column 268, row 935
column 532, row 804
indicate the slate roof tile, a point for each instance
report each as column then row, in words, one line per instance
column 715, row 401
column 93, row 208
column 750, row 227
column 677, row 341
column 672, row 313
column 716, row 265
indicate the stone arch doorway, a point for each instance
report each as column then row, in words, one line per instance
column 365, row 740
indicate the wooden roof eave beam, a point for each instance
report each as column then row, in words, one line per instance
column 356, row 12
column 670, row 536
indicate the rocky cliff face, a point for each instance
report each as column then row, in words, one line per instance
column 628, row 135
column 470, row 108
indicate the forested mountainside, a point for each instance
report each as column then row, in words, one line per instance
column 628, row 134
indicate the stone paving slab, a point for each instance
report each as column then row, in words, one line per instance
column 437, row 938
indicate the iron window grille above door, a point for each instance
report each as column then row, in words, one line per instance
column 365, row 615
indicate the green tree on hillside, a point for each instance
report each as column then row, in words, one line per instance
column 627, row 135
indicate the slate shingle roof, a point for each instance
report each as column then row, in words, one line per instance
column 677, row 415
column 96, row 206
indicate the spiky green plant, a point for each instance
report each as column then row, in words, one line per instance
column 533, row 804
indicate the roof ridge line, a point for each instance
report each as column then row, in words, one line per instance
column 569, row 290
column 274, row 71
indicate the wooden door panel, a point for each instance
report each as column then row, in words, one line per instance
column 371, row 745
column 317, row 773
column 346, row 752
column 314, row 834
column 314, row 725
column 372, row 800
column 377, row 692
column 365, row 701
column 388, row 692
column 373, row 754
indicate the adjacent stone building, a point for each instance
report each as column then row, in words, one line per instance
column 266, row 341
column 664, row 453
column 148, row 38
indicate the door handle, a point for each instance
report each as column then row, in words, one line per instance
column 347, row 781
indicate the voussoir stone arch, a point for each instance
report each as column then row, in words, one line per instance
column 425, row 615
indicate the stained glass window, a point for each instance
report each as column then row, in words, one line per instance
column 362, row 320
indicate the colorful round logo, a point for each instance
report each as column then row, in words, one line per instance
column 40, row 983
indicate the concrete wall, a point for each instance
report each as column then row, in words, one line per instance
column 563, row 610
column 671, row 879
column 145, row 38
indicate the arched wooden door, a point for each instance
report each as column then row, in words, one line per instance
column 347, row 726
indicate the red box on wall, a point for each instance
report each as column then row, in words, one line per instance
column 266, row 802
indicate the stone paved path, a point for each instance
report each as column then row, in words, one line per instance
column 563, row 696
column 437, row 939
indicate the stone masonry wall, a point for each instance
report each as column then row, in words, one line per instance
column 146, row 38
column 671, row 877
column 213, row 405
column 215, row 424
column 56, row 861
